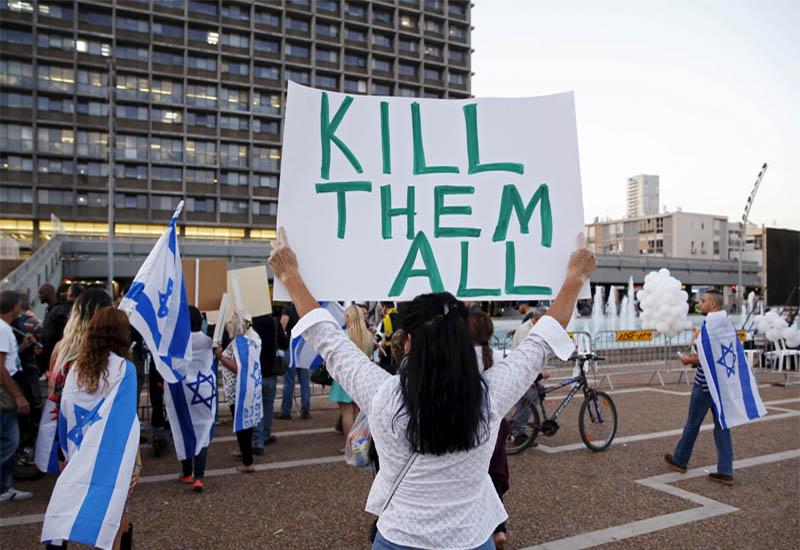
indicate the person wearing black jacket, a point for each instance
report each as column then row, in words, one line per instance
column 272, row 338
column 55, row 319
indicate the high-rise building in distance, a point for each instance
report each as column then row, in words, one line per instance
column 199, row 90
column 642, row 196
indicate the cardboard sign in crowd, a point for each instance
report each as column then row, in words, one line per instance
column 389, row 197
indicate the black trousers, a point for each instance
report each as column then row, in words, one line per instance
column 245, row 439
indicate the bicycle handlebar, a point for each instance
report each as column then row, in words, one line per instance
column 583, row 357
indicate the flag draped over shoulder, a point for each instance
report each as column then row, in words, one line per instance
column 99, row 434
column 732, row 387
column 302, row 355
column 46, row 456
column 249, row 407
column 157, row 305
column 191, row 403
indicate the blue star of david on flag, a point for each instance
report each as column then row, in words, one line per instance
column 730, row 370
column 256, row 374
column 194, row 387
column 82, row 418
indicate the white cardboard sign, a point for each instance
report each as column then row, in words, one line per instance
column 390, row 197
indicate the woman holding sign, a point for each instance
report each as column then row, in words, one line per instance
column 435, row 425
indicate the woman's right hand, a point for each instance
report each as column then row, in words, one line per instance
column 582, row 261
column 282, row 259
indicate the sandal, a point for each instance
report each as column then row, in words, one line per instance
column 246, row 469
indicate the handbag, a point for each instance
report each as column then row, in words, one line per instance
column 321, row 376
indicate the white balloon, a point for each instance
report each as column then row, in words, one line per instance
column 664, row 272
column 684, row 296
column 787, row 333
column 773, row 335
column 771, row 316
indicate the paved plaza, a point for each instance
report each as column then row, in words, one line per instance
column 562, row 496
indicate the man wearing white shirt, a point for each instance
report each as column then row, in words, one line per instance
column 13, row 402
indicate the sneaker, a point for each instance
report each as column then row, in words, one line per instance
column 270, row 440
column 669, row 460
column 15, row 494
column 258, row 451
column 305, row 415
column 725, row 479
column 281, row 416
column 185, row 479
column 198, row 486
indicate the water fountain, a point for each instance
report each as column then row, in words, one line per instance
column 598, row 313
column 629, row 308
column 612, row 311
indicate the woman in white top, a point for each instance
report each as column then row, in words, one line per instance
column 439, row 406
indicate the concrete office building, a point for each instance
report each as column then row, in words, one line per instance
column 642, row 196
column 199, row 92
column 671, row 234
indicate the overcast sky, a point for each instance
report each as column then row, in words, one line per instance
column 698, row 92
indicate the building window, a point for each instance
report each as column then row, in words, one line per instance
column 433, row 26
column 355, row 85
column 205, row 36
column 408, row 22
column 235, row 11
column 173, row 4
column 301, row 77
column 233, row 178
column 166, row 91
column 379, row 88
column 16, row 137
column 167, row 29
column 131, row 111
column 266, row 103
column 326, row 81
column 56, row 42
column 94, row 17
column 23, row 195
column 93, row 82
column 209, row 120
column 329, row 30
column 164, row 57
column 407, row 45
column 355, row 35
column 295, row 24
column 166, row 116
column 267, row 72
column 60, row 105
column 201, row 96
column 233, row 154
column 235, row 40
column 131, row 171
column 457, row 31
column 382, row 16
column 55, row 166
column 228, row 206
column 268, row 208
column 458, row 78
column 355, row 10
column 96, row 169
column 194, row 175
column 16, row 73
column 242, row 68
column 382, row 40
column 407, row 69
column 200, row 205
column 166, row 173
column 235, row 99
column 433, row 74
column 124, row 200
column 129, row 148
column 132, row 87
column 327, row 56
column 433, row 51
column 133, row 24
column 328, row 5
column 164, row 202
column 266, row 45
column 266, row 158
column 264, row 180
column 208, row 8
column 57, row 79
column 15, row 163
column 456, row 8
column 202, row 63
column 54, row 196
column 266, row 126
column 132, row 52
column 458, row 56
column 403, row 91
column 268, row 18
column 355, row 60
column 383, row 65
column 233, row 123
column 16, row 36
column 166, row 149
column 203, row 152
column 296, row 50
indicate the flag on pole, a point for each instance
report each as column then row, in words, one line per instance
column 99, row 434
column 731, row 384
column 301, row 354
column 46, row 455
column 191, row 403
column 157, row 305
column 249, row 407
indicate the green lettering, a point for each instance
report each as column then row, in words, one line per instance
column 327, row 129
column 419, row 151
column 385, row 144
column 439, row 209
column 473, row 154
column 421, row 246
column 463, row 291
column 511, row 268
column 512, row 200
column 340, row 188
column 387, row 212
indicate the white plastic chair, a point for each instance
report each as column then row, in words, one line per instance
column 779, row 357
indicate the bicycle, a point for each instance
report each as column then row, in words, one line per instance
column 597, row 420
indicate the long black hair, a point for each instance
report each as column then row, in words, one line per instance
column 443, row 392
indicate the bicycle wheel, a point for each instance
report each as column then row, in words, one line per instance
column 597, row 422
column 528, row 432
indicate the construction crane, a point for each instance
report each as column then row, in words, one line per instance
column 742, row 230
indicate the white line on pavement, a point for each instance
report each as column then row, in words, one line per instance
column 708, row 508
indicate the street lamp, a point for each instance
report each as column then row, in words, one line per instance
column 742, row 229
column 111, row 176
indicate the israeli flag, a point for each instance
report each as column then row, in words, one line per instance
column 301, row 354
column 249, row 407
column 731, row 384
column 157, row 305
column 46, row 456
column 99, row 434
column 191, row 403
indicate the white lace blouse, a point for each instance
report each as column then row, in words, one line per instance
column 444, row 501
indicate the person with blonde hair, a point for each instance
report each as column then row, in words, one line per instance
column 359, row 333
